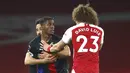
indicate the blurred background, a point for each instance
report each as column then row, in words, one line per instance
column 17, row 28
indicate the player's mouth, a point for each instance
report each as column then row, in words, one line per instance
column 52, row 31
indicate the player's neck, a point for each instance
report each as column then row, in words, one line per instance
column 46, row 37
column 79, row 22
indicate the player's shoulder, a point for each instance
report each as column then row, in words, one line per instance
column 98, row 27
column 35, row 40
column 77, row 26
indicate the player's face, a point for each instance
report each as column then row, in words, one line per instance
column 49, row 27
column 38, row 29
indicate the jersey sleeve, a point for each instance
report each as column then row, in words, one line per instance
column 67, row 36
column 102, row 38
column 29, row 50
column 33, row 51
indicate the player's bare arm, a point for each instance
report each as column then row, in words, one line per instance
column 29, row 60
column 55, row 48
column 65, row 52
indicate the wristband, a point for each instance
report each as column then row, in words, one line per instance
column 49, row 49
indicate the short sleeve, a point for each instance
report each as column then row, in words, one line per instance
column 67, row 36
column 29, row 50
column 102, row 38
column 33, row 51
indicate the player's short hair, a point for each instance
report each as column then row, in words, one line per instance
column 85, row 13
column 43, row 20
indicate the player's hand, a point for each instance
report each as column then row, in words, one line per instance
column 42, row 55
column 50, row 58
column 44, row 45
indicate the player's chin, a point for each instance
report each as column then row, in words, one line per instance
column 52, row 32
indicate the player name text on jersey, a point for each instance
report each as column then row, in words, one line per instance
column 87, row 30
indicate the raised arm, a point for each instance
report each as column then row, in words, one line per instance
column 65, row 52
column 60, row 45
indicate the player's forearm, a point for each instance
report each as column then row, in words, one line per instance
column 64, row 53
column 29, row 60
column 57, row 47
column 34, row 61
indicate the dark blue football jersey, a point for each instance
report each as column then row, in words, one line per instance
column 60, row 66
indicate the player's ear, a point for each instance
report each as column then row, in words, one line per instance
column 73, row 18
